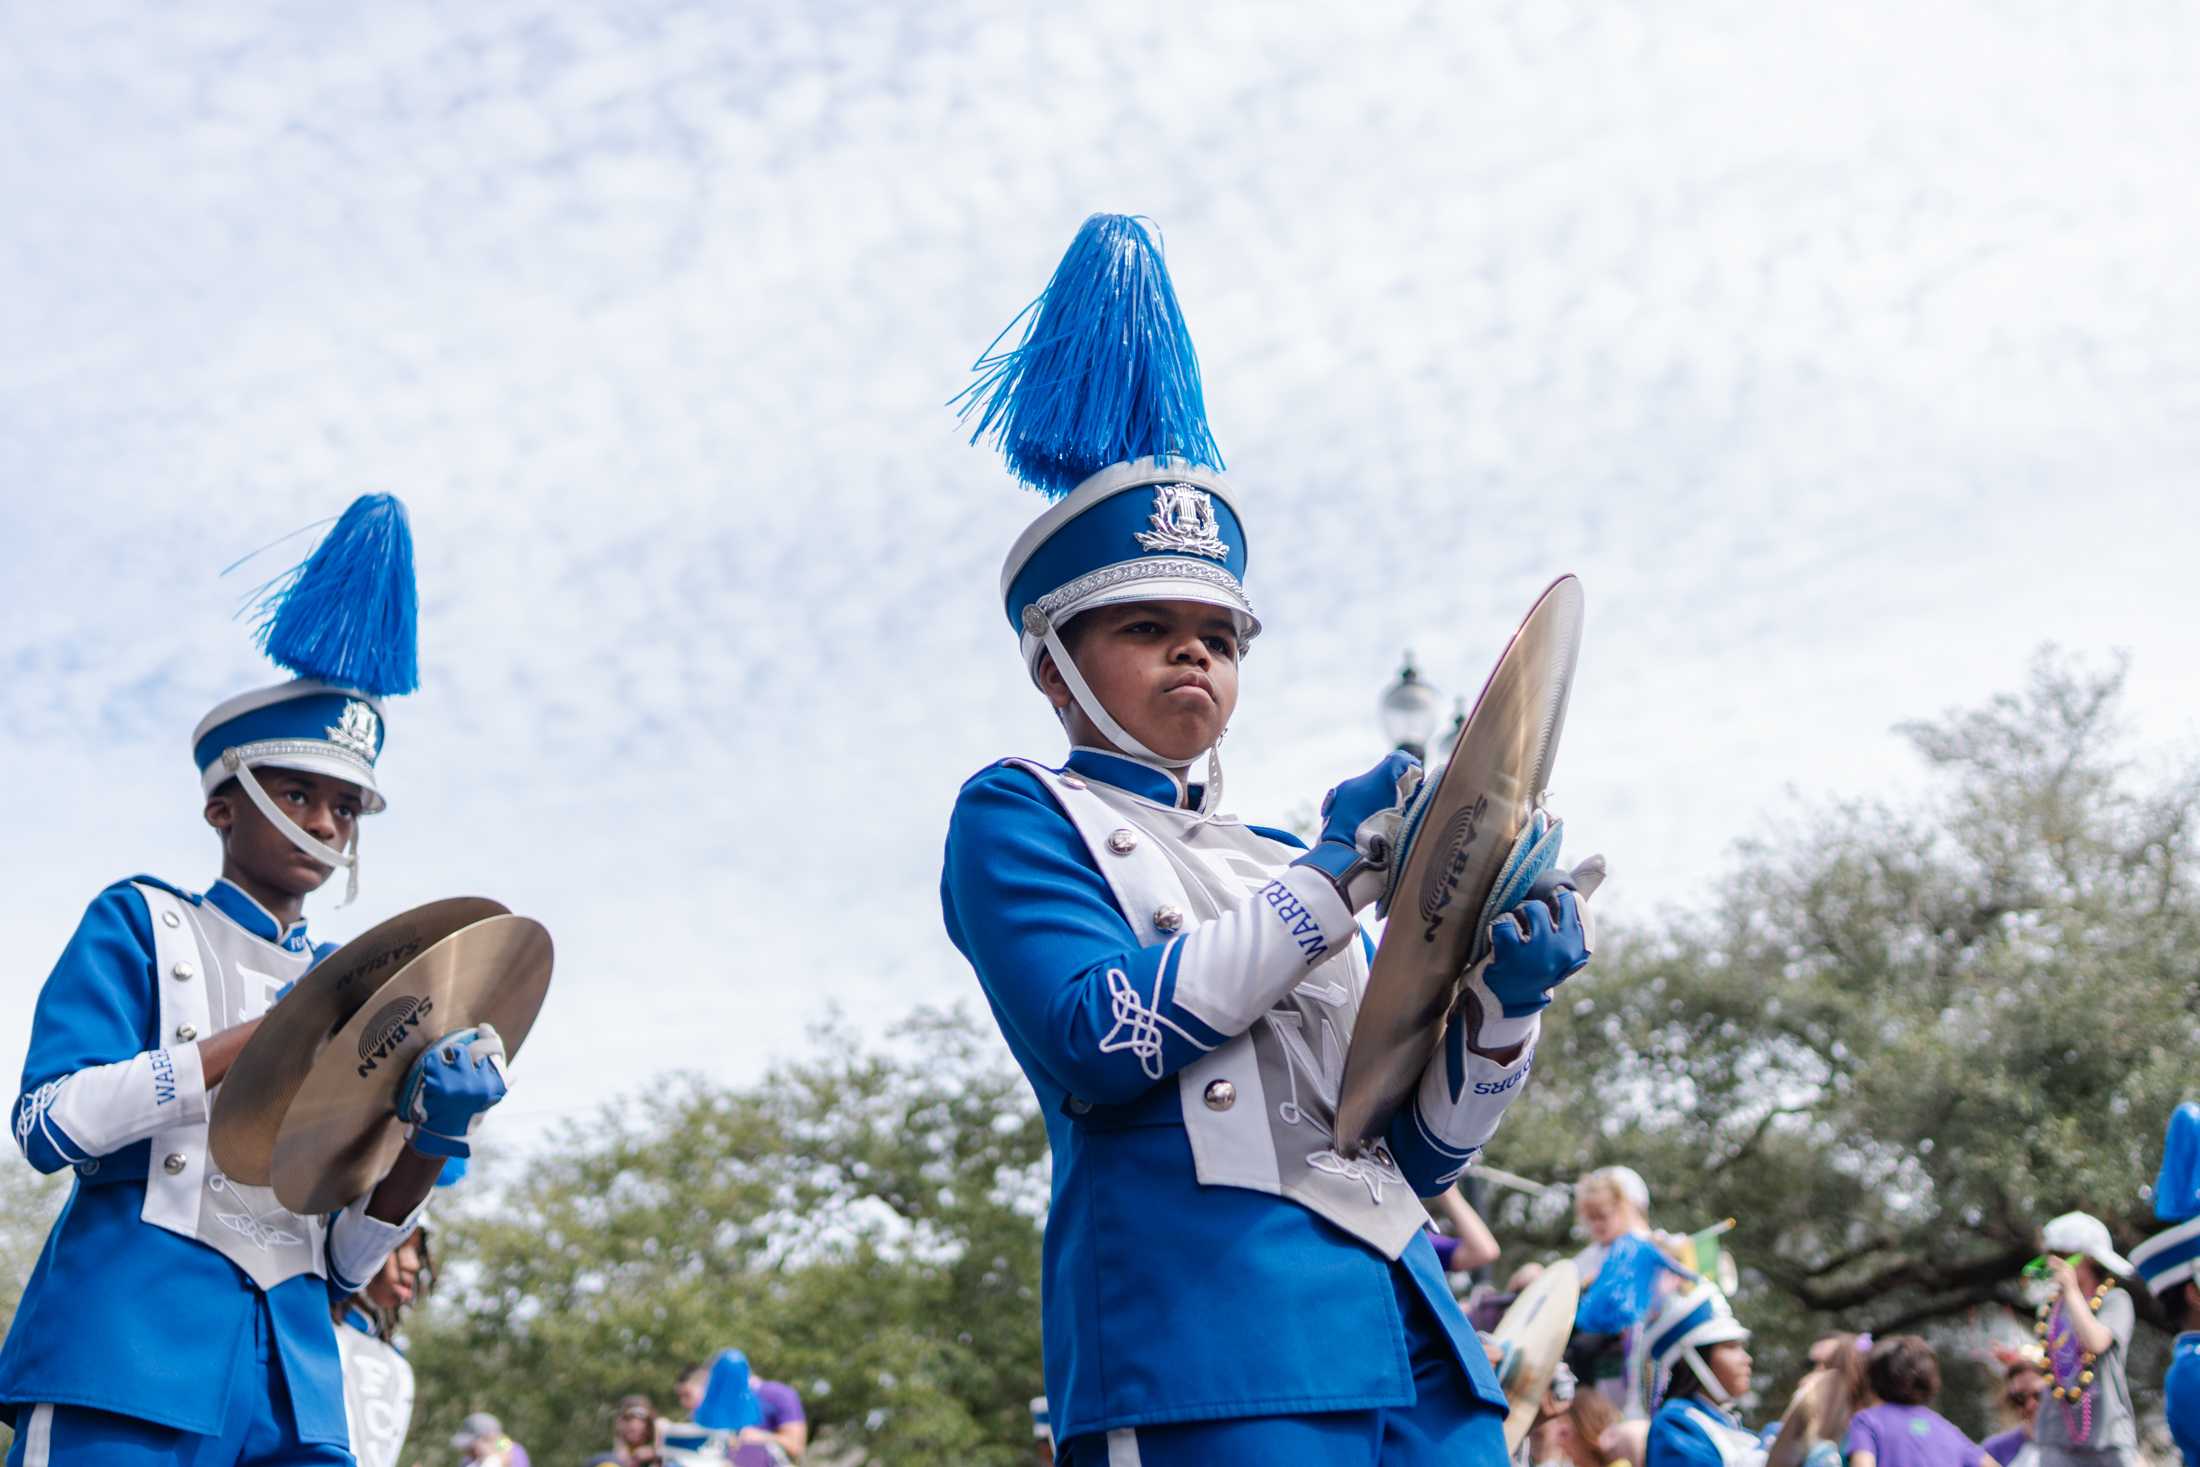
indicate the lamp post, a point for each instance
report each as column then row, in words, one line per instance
column 1411, row 710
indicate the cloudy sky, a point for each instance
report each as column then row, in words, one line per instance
column 1846, row 356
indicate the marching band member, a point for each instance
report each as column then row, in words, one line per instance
column 1697, row 1425
column 2169, row 1262
column 378, row 1379
column 176, row 1315
column 1222, row 1284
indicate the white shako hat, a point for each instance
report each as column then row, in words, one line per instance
column 2171, row 1257
column 1099, row 407
column 346, row 620
column 1688, row 1323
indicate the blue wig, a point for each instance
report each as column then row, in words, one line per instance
column 2177, row 1186
column 729, row 1400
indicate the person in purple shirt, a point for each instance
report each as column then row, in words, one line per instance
column 783, row 1426
column 1903, row 1430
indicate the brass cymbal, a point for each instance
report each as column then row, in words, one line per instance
column 341, row 1133
column 1538, row 1324
column 1461, row 833
column 249, row 1103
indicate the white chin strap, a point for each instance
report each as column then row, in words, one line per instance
column 1210, row 798
column 1704, row 1376
column 327, row 855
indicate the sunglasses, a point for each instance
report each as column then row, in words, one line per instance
column 2038, row 1269
column 2023, row 1398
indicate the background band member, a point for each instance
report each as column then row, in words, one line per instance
column 177, row 1315
column 2169, row 1262
column 1696, row 1340
column 378, row 1379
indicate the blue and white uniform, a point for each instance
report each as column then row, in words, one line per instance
column 2169, row 1263
column 178, row 1317
column 1689, row 1431
column 1696, row 1426
column 168, row 1293
column 1221, row 1284
column 378, row 1392
column 1180, row 998
column 2181, row 1396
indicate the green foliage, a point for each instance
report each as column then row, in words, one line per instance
column 1901, row 1038
column 866, row 1227
column 28, row 1202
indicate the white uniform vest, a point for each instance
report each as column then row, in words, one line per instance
column 211, row 975
column 1260, row 1110
column 378, row 1397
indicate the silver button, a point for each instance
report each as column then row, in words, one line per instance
column 174, row 1163
column 1168, row 917
column 1079, row 1107
column 171, row 919
column 184, row 972
column 88, row 1168
column 185, row 1033
column 1073, row 781
column 1124, row 841
column 1221, row 1095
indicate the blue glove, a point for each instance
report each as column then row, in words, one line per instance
column 1533, row 948
column 450, row 1087
column 1360, row 820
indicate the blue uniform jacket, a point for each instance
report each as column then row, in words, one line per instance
column 120, row 1315
column 1678, row 1437
column 2181, row 1396
column 1164, row 1300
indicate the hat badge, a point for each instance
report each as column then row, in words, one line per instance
column 1183, row 523
column 357, row 731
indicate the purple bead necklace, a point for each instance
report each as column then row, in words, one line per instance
column 2071, row 1365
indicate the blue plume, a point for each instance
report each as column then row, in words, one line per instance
column 729, row 1403
column 349, row 613
column 2177, row 1187
column 1104, row 372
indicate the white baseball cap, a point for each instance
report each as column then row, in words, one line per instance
column 2082, row 1232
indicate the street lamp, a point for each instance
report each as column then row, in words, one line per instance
column 1411, row 710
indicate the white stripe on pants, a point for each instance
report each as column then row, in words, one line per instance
column 38, row 1438
column 1122, row 1447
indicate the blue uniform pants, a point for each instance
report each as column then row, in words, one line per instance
column 260, row 1430
column 1447, row 1424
